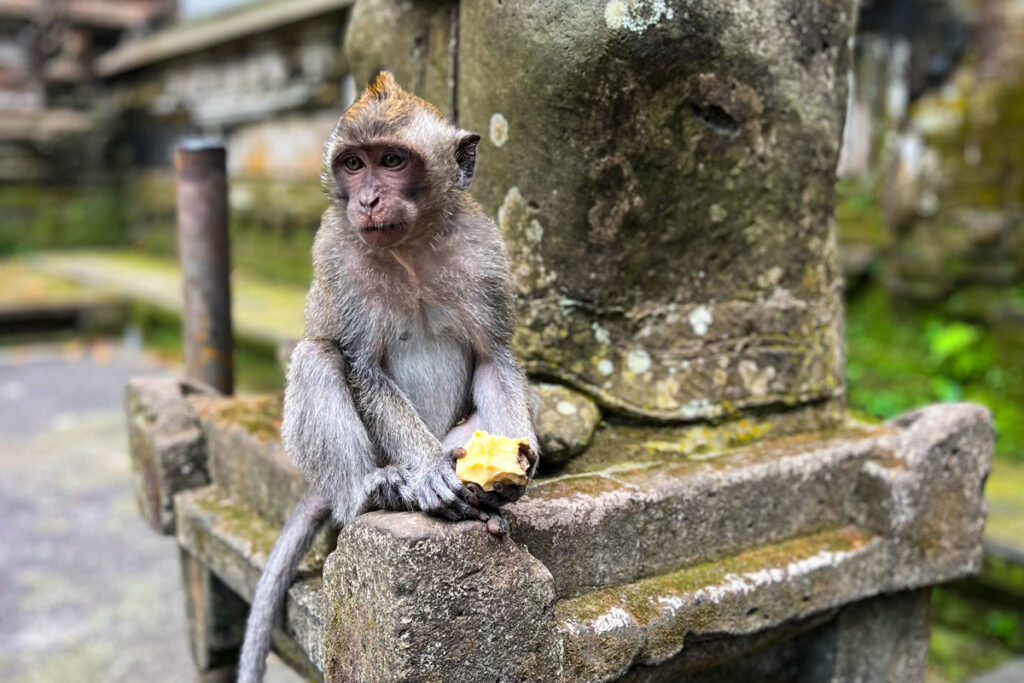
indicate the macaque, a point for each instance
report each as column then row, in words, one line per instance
column 407, row 346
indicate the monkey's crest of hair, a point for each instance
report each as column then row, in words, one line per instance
column 386, row 114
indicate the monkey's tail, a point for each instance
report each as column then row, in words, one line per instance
column 292, row 544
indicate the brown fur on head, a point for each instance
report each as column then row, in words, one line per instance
column 387, row 203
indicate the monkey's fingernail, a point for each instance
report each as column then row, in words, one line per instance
column 499, row 488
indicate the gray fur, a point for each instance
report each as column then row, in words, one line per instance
column 400, row 344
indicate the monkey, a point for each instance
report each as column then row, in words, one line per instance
column 407, row 348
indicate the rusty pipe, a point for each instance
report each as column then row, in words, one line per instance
column 203, row 249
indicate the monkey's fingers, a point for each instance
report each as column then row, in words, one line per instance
column 476, row 494
column 457, row 454
column 531, row 457
column 509, row 493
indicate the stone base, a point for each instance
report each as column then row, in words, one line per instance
column 770, row 558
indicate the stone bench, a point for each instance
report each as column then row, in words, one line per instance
column 801, row 554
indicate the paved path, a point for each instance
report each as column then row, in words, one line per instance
column 263, row 310
column 1011, row 672
column 87, row 591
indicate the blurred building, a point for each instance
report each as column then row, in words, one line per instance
column 48, row 83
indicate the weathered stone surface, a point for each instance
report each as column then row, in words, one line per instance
column 626, row 523
column 234, row 544
column 929, row 500
column 885, row 639
column 246, row 458
column 414, row 39
column 638, row 560
column 215, row 614
column 167, row 447
column 674, row 248
column 419, row 599
column 608, row 632
column 565, row 423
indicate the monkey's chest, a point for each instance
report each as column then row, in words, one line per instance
column 432, row 364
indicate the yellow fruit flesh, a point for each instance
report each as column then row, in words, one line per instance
column 490, row 460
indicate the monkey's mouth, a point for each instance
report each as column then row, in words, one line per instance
column 384, row 234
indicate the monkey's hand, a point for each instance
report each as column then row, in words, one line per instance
column 439, row 492
column 490, row 501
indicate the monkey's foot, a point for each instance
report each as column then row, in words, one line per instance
column 390, row 488
column 496, row 524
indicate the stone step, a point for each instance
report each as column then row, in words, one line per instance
column 654, row 511
column 608, row 632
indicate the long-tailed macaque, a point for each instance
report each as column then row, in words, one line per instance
column 407, row 343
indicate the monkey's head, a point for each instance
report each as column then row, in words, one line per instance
column 395, row 165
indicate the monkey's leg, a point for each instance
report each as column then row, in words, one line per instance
column 325, row 436
column 460, row 434
column 407, row 442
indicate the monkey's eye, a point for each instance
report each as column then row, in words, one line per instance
column 352, row 163
column 390, row 160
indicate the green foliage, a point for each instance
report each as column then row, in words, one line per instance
column 43, row 218
column 956, row 655
column 858, row 215
column 256, row 366
column 901, row 357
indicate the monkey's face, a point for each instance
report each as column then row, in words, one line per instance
column 381, row 183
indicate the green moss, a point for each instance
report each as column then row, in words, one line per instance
column 859, row 218
column 231, row 519
column 955, row 655
column 1005, row 524
column 260, row 416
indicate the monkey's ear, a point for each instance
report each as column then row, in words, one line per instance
column 465, row 156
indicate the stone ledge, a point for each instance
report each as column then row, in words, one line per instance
column 608, row 632
column 918, row 478
column 167, row 448
column 627, row 563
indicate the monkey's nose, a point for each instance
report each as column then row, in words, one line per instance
column 368, row 203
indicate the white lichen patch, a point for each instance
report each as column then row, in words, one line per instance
column 700, row 320
column 600, row 334
column 513, row 198
column 756, row 379
column 717, row 213
column 638, row 361
column 636, row 15
column 498, row 129
column 534, row 231
column 613, row 619
column 565, row 408
column 697, row 408
column 605, row 367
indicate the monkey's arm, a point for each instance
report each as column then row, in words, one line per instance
column 501, row 398
column 397, row 429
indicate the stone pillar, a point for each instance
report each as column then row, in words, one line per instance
column 419, row 599
column 216, row 619
column 664, row 177
column 414, row 39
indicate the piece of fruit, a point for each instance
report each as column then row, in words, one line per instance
column 491, row 460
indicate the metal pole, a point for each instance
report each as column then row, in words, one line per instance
column 202, row 205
